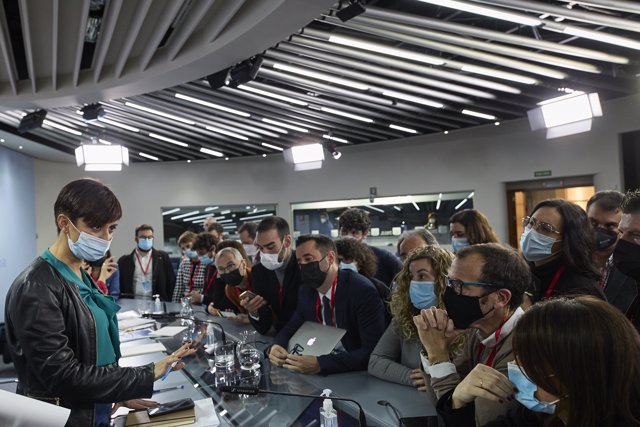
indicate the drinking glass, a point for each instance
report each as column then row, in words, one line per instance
column 224, row 355
column 248, row 354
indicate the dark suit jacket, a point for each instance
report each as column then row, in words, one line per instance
column 388, row 265
column 622, row 291
column 265, row 283
column 163, row 278
column 358, row 309
column 570, row 282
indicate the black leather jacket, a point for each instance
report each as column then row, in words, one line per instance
column 52, row 339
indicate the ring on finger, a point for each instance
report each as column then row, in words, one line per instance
column 481, row 381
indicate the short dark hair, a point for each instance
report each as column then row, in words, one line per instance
column 250, row 227
column 204, row 241
column 217, row 227
column 354, row 219
column 143, row 227
column 503, row 267
column 631, row 202
column 271, row 222
column 607, row 200
column 88, row 199
column 476, row 225
column 322, row 243
column 422, row 233
column 349, row 248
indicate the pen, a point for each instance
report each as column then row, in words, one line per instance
column 178, row 387
column 166, row 374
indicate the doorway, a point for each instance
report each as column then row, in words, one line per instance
column 522, row 196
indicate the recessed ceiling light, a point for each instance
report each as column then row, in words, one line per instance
column 264, row 155
column 226, row 158
column 188, row 161
column 497, row 123
column 1, row 139
column 446, row 132
column 20, row 147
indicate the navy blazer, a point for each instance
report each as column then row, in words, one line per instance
column 358, row 309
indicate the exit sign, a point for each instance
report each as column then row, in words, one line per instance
column 541, row 173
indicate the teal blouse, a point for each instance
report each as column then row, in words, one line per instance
column 102, row 307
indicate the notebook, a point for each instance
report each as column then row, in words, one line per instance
column 315, row 339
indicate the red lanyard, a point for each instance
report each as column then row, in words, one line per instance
column 144, row 270
column 492, row 355
column 191, row 273
column 280, row 286
column 210, row 281
column 553, row 283
column 333, row 302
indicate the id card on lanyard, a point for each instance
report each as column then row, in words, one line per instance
column 192, row 273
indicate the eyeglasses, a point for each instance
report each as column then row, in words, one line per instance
column 528, row 222
column 457, row 285
column 229, row 268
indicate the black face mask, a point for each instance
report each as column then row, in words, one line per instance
column 605, row 238
column 626, row 258
column 312, row 276
column 463, row 309
column 233, row 278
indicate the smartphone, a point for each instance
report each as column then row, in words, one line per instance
column 247, row 294
column 227, row 314
column 169, row 407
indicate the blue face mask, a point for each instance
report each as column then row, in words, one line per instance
column 526, row 391
column 205, row 259
column 422, row 294
column 536, row 246
column 88, row 247
column 145, row 244
column 458, row 243
column 348, row 266
column 190, row 253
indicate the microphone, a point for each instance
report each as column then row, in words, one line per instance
column 195, row 319
column 252, row 391
column 394, row 409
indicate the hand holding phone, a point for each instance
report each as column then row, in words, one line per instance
column 247, row 294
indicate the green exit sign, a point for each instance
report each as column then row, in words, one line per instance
column 541, row 173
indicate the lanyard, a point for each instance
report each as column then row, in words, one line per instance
column 492, row 355
column 333, row 302
column 144, row 270
column 553, row 283
column 209, row 281
column 192, row 273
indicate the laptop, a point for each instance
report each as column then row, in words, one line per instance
column 315, row 339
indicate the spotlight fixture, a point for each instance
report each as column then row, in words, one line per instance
column 217, row 80
column 566, row 115
column 32, row 121
column 354, row 9
column 102, row 157
column 243, row 72
column 92, row 112
column 305, row 157
column 333, row 149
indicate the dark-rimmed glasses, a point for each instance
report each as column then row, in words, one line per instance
column 457, row 285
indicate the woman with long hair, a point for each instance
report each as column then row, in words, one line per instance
column 577, row 364
column 419, row 285
column 470, row 227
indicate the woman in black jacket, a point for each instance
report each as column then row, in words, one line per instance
column 62, row 332
column 578, row 365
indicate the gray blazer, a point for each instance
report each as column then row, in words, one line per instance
column 394, row 358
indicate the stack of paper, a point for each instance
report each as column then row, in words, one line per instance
column 132, row 324
column 136, row 350
column 168, row 331
column 174, row 419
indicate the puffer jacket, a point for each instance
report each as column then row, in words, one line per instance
column 51, row 336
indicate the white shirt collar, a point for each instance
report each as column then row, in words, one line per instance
column 508, row 326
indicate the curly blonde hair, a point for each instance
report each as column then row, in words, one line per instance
column 401, row 308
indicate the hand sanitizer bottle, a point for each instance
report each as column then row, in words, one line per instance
column 328, row 415
column 157, row 305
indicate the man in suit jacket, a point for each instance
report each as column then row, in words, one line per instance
column 334, row 297
column 146, row 271
column 276, row 279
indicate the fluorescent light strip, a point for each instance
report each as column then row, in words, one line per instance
column 499, row 74
column 374, row 208
column 264, row 144
column 211, row 152
column 460, row 204
column 229, row 226
column 255, row 216
column 285, row 125
column 415, row 205
column 470, row 196
column 224, row 221
column 345, row 114
column 170, row 211
column 212, row 105
column 403, row 129
column 227, row 132
column 387, row 50
column 477, row 114
column 211, row 208
column 320, row 76
column 149, row 156
column 486, row 11
column 61, row 127
column 207, row 215
column 398, row 208
column 169, row 140
column 198, row 221
column 185, row 215
column 159, row 113
column 104, row 141
column 417, row 100
column 335, row 138
column 598, row 36
column 438, row 204
column 273, row 95
column 118, row 124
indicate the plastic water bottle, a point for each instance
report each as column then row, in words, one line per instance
column 157, row 305
column 328, row 415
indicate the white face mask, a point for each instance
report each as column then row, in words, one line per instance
column 270, row 261
column 249, row 249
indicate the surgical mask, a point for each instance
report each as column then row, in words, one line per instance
column 422, row 294
column 145, row 244
column 462, row 309
column 270, row 261
column 312, row 275
column 233, row 278
column 190, row 253
column 205, row 259
column 626, row 258
column 348, row 266
column 605, row 238
column 526, row 391
column 536, row 246
column 458, row 243
column 249, row 249
column 88, row 247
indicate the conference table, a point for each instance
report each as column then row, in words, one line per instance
column 199, row 380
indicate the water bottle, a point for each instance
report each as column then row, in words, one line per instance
column 328, row 415
column 157, row 305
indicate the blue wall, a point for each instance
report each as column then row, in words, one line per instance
column 17, row 218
